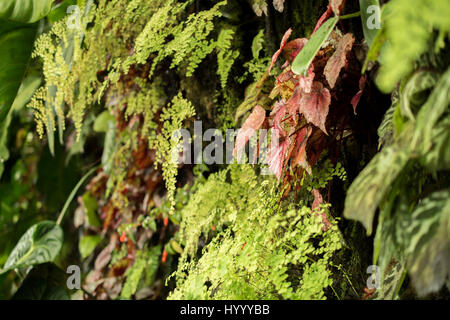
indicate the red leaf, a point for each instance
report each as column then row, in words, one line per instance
column 315, row 105
column 300, row 149
column 318, row 200
column 293, row 103
column 338, row 59
column 277, row 153
column 292, row 48
column 253, row 123
column 357, row 97
column 279, row 110
column 337, row 6
column 284, row 84
column 317, row 143
column 305, row 82
column 323, row 18
column 286, row 36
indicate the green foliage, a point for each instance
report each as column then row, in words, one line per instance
column 226, row 56
column 16, row 40
column 26, row 90
column 369, row 33
column 261, row 249
column 322, row 175
column 189, row 43
column 59, row 11
column 168, row 143
column 71, row 70
column 428, row 232
column 390, row 283
column 88, row 244
column 144, row 269
column 260, row 62
column 40, row 244
column 409, row 31
column 91, row 206
column 408, row 179
column 120, row 86
column 373, row 183
column 27, row 11
column 44, row 282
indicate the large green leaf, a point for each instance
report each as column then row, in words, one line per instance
column 373, row 183
column 391, row 283
column 369, row 33
column 44, row 282
column 428, row 250
column 438, row 157
column 41, row 243
column 16, row 43
column 306, row 56
column 87, row 244
column 59, row 11
column 29, row 85
column 416, row 91
column 430, row 113
column 409, row 32
column 91, row 206
column 26, row 11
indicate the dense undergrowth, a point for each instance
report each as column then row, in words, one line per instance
column 360, row 176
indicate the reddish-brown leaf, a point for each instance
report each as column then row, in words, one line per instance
column 318, row 200
column 300, row 157
column 293, row 103
column 323, row 18
column 315, row 105
column 286, row 36
column 278, row 112
column 357, row 97
column 305, row 82
column 284, row 84
column 277, row 153
column 292, row 48
column 338, row 59
column 253, row 123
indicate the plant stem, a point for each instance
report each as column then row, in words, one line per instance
column 73, row 193
column 351, row 15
